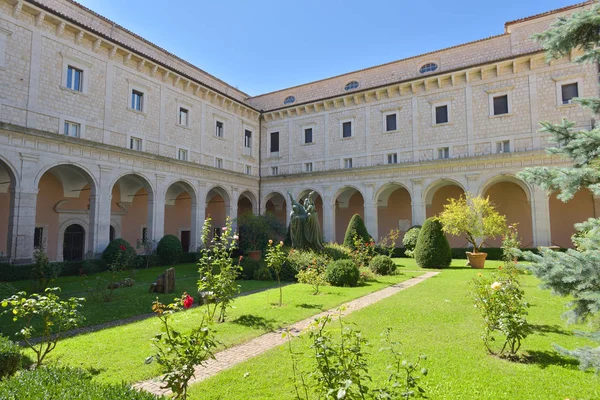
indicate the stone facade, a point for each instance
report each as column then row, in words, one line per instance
column 191, row 146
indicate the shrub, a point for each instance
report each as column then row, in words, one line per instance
column 299, row 260
column 249, row 266
column 382, row 265
column 433, row 250
column 256, row 230
column 127, row 257
column 44, row 271
column 342, row 273
column 65, row 383
column 409, row 241
column 169, row 250
column 263, row 273
column 356, row 227
column 336, row 252
column 10, row 357
column 314, row 276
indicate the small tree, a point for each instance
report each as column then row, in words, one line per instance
column 474, row 217
column 433, row 249
column 46, row 316
column 275, row 259
column 356, row 227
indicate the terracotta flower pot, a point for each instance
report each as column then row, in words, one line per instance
column 255, row 254
column 476, row 260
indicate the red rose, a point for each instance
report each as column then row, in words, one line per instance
column 240, row 260
column 122, row 248
column 188, row 301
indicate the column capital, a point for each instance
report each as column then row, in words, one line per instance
column 29, row 157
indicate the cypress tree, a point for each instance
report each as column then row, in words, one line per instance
column 573, row 273
column 433, row 249
column 357, row 227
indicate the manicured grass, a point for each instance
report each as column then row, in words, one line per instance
column 437, row 318
column 129, row 301
column 117, row 354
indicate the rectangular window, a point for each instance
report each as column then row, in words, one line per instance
column 72, row 129
column 308, row 167
column 274, row 142
column 219, row 129
column 308, row 135
column 441, row 114
column 247, row 139
column 38, row 237
column 390, row 122
column 501, row 105
column 135, row 143
column 182, row 154
column 74, row 78
column 569, row 92
column 144, row 235
column 218, row 162
column 248, row 170
column 444, row 152
column 503, row 146
column 137, row 100
column 183, row 116
column 216, row 232
column 274, row 170
column 392, row 158
column 347, row 163
column 347, row 129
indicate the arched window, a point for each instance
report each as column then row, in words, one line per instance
column 429, row 67
column 351, row 85
column 289, row 100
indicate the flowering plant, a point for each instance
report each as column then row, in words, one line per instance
column 178, row 354
column 313, row 274
column 363, row 252
column 275, row 259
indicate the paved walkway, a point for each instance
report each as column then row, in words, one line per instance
column 237, row 354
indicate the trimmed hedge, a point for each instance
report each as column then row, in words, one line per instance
column 249, row 266
column 10, row 357
column 433, row 249
column 65, row 383
column 337, row 251
column 382, row 265
column 356, row 226
column 191, row 257
column 11, row 272
column 342, row 273
column 169, row 250
column 127, row 258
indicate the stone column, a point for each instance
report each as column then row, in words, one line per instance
column 198, row 216
column 100, row 212
column 233, row 207
column 21, row 226
column 370, row 210
column 540, row 215
column 418, row 203
column 156, row 211
column 328, row 215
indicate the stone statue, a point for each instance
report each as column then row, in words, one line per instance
column 305, row 230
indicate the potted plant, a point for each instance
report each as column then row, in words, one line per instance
column 477, row 219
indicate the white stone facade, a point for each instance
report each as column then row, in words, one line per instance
column 189, row 129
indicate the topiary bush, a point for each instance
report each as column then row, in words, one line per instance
column 433, row 249
column 249, row 266
column 342, row 273
column 10, row 357
column 110, row 254
column 356, row 227
column 65, row 383
column 382, row 265
column 409, row 241
column 169, row 250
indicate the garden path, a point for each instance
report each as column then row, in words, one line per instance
column 237, row 354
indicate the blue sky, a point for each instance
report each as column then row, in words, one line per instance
column 266, row 45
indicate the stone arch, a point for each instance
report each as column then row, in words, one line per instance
column 65, row 191
column 246, row 203
column 394, row 209
column 436, row 196
column 132, row 207
column 563, row 216
column 8, row 182
column 218, row 206
column 181, row 208
column 511, row 197
column 348, row 200
column 276, row 203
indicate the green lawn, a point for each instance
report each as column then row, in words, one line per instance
column 437, row 318
column 117, row 354
column 129, row 301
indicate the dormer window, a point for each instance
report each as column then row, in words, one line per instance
column 429, row 67
column 289, row 100
column 351, row 85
